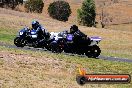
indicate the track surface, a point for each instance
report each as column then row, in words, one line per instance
column 39, row 49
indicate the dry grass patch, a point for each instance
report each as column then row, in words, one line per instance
column 23, row 70
column 30, row 69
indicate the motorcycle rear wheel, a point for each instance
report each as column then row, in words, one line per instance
column 93, row 51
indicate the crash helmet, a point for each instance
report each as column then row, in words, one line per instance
column 35, row 24
column 73, row 28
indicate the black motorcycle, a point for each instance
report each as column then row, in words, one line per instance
column 30, row 38
column 68, row 43
column 20, row 40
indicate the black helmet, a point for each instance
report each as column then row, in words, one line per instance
column 73, row 28
column 35, row 24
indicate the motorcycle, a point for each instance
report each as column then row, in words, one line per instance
column 65, row 42
column 27, row 37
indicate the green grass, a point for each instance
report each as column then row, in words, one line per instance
column 7, row 35
column 120, row 54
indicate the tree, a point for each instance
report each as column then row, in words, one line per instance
column 34, row 6
column 11, row 3
column 86, row 15
column 59, row 10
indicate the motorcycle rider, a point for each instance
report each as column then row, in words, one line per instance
column 41, row 31
column 77, row 33
column 80, row 39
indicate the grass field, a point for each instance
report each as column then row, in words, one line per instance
column 22, row 68
column 114, row 42
column 123, row 27
column 117, row 10
column 120, row 11
column 7, row 36
column 35, row 69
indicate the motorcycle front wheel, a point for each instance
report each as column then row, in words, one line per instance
column 19, row 42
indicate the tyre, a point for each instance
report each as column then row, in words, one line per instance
column 93, row 51
column 19, row 42
column 55, row 47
